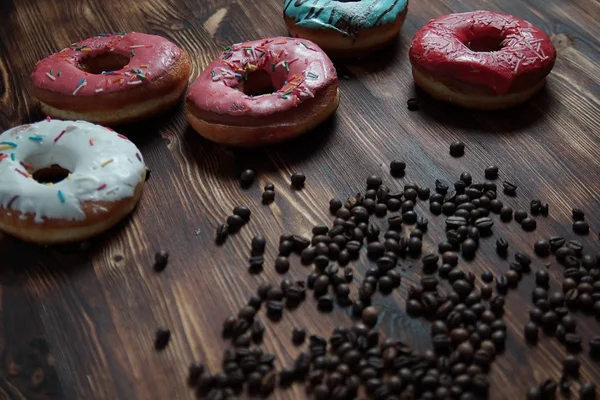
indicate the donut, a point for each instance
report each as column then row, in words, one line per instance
column 346, row 28
column 112, row 79
column 481, row 59
column 66, row 181
column 263, row 91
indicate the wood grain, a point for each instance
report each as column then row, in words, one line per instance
column 86, row 319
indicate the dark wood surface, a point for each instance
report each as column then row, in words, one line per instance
column 78, row 324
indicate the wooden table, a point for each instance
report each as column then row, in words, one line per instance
column 79, row 324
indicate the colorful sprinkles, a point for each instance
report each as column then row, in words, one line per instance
column 81, row 84
column 61, row 196
column 59, row 136
column 105, row 163
column 101, row 186
column 10, row 203
column 25, row 174
column 27, row 166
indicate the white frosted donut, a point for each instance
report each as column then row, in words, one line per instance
column 107, row 173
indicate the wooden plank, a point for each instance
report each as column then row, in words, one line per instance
column 97, row 311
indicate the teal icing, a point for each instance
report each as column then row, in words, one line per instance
column 343, row 16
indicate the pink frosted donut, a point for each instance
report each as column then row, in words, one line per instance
column 111, row 79
column 262, row 92
column 481, row 59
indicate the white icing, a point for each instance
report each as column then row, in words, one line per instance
column 71, row 151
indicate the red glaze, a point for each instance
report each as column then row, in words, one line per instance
column 152, row 55
column 308, row 70
column 442, row 48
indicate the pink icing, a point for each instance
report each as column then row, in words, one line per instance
column 441, row 47
column 299, row 62
column 150, row 57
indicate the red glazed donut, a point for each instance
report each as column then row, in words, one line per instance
column 481, row 59
column 263, row 92
column 111, row 79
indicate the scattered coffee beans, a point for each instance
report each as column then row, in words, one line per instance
column 457, row 149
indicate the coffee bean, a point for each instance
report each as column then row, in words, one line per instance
column 520, row 215
column 429, row 283
column 222, row 232
column 571, row 365
column 380, row 210
column 397, row 167
column 549, row 321
column 325, row 303
column 430, row 262
column 247, row 313
column 484, row 224
column 462, row 287
column 501, row 247
column 469, row 247
column 506, row 214
column 335, row 205
column 409, row 217
column 581, row 227
column 258, row 245
column 298, row 336
column 386, row 284
column 491, row 172
column 247, row 177
column 528, row 224
column 501, row 284
column 531, row 332
column 496, row 206
column 542, row 248
column 455, row 222
column 282, row 264
column 195, row 370
column 298, row 180
column 457, row 149
column 524, row 261
column 587, row 391
column 536, row 206
column 450, row 257
column 573, row 341
column 161, row 338
column 268, row 196
column 413, row 308
column 369, row 316
column 487, row 277
column 578, row 214
column 512, row 277
column 486, row 291
column 509, row 188
column 300, row 243
column 161, row 258
column 373, row 182
column 414, row 246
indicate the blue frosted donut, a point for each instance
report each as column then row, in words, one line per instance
column 345, row 27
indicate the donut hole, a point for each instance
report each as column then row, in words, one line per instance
column 96, row 64
column 50, row 167
column 52, row 174
column 258, row 83
column 486, row 44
